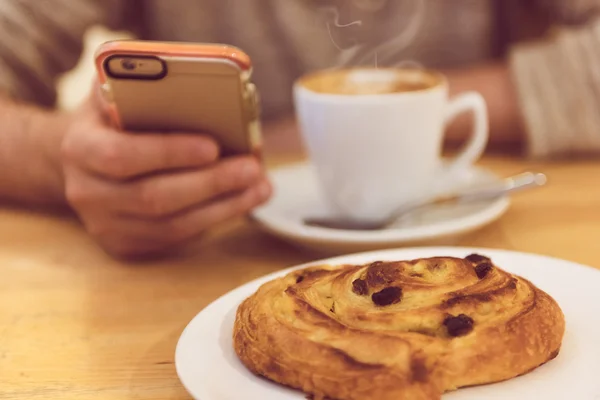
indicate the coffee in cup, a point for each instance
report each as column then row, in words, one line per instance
column 364, row 81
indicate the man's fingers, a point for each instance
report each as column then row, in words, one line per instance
column 166, row 194
column 122, row 156
column 223, row 210
column 128, row 236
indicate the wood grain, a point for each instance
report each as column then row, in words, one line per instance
column 76, row 324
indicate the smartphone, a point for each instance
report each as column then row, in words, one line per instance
column 181, row 87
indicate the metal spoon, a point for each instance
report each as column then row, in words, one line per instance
column 509, row 185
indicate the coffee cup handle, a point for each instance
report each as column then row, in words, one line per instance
column 475, row 147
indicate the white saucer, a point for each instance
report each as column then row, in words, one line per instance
column 297, row 197
column 210, row 370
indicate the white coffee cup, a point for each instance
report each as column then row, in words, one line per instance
column 375, row 136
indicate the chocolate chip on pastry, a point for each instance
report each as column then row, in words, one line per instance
column 387, row 296
column 459, row 325
column 429, row 326
column 483, row 269
column 360, row 287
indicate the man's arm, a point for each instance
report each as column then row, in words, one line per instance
column 136, row 194
column 41, row 40
column 30, row 141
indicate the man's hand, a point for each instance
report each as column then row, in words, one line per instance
column 139, row 193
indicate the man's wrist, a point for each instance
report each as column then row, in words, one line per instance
column 52, row 182
column 30, row 154
column 493, row 81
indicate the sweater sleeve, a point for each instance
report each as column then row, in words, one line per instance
column 42, row 39
column 558, row 81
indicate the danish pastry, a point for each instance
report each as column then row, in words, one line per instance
column 405, row 330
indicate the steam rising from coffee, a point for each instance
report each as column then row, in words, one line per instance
column 336, row 22
column 357, row 54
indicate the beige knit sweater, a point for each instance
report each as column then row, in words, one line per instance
column 557, row 78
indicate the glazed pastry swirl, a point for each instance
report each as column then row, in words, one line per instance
column 397, row 330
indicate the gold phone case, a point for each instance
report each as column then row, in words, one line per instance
column 198, row 92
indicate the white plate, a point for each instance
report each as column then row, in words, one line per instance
column 297, row 197
column 210, row 370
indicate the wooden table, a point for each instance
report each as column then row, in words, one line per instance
column 75, row 324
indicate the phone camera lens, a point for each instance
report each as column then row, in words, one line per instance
column 128, row 65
